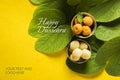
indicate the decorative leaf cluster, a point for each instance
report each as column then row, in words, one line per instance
column 105, row 43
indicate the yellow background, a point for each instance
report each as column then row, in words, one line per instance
column 17, row 48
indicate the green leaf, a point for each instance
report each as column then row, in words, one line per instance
column 73, row 2
column 85, row 5
column 94, row 2
column 59, row 4
column 53, row 43
column 82, row 7
column 42, row 18
column 79, row 17
column 69, row 12
column 107, row 11
column 110, row 48
column 89, row 67
column 108, row 31
column 109, row 54
column 113, row 66
column 39, row 1
column 94, row 43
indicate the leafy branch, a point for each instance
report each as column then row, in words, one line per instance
column 105, row 42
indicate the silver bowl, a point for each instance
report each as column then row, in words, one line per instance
column 81, row 60
column 92, row 29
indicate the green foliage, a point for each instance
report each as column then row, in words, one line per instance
column 40, row 1
column 73, row 2
column 108, row 31
column 107, row 11
column 36, row 23
column 109, row 54
column 55, row 42
column 79, row 17
column 105, row 43
column 86, row 5
column 90, row 67
column 94, row 43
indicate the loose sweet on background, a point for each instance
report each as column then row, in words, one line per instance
column 77, row 29
column 87, row 20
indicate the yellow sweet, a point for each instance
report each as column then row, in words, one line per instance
column 86, row 30
column 77, row 29
column 88, row 21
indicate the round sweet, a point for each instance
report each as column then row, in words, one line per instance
column 86, row 30
column 74, row 44
column 75, row 20
column 86, row 54
column 83, row 45
column 76, row 54
column 88, row 21
column 77, row 29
